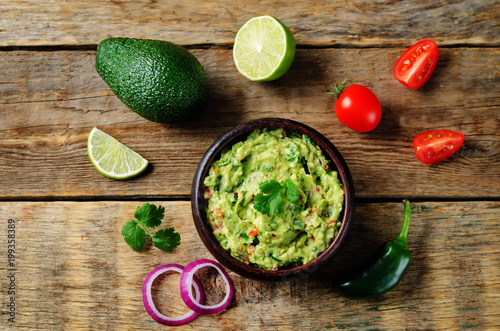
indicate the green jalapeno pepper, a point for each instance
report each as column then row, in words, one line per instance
column 385, row 270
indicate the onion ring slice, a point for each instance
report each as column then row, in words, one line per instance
column 148, row 299
column 186, row 282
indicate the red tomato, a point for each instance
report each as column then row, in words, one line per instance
column 416, row 65
column 254, row 231
column 358, row 108
column 436, row 145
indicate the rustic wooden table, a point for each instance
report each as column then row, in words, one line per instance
column 71, row 268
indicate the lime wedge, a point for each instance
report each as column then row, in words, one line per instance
column 113, row 159
column 264, row 49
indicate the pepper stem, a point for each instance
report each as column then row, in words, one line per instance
column 406, row 223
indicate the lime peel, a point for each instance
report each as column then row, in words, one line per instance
column 112, row 158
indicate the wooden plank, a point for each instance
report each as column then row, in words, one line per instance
column 74, row 271
column 359, row 23
column 51, row 100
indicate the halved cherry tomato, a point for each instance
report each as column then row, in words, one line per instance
column 416, row 65
column 357, row 107
column 436, row 145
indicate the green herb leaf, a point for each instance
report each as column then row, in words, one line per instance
column 134, row 235
column 272, row 201
column 270, row 187
column 272, row 224
column 298, row 223
column 310, row 141
column 275, row 258
column 166, row 239
column 268, row 204
column 291, row 192
column 149, row 215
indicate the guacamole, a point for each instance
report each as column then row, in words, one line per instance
column 297, row 232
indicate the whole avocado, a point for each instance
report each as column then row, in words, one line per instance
column 159, row 80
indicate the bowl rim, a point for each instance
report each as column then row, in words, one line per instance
column 204, row 229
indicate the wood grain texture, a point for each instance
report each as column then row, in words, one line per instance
column 73, row 268
column 359, row 23
column 51, row 100
column 74, row 272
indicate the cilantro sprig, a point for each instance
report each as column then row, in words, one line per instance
column 149, row 216
column 271, row 199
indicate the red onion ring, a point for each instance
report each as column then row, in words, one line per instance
column 186, row 282
column 148, row 299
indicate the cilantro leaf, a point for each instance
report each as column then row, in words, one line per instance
column 134, row 235
column 268, row 204
column 149, row 215
column 271, row 186
column 291, row 193
column 166, row 239
column 271, row 202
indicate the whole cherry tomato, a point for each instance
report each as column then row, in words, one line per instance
column 436, row 145
column 416, row 65
column 357, row 107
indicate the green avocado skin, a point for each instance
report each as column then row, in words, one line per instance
column 159, row 80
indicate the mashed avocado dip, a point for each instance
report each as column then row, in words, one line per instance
column 298, row 232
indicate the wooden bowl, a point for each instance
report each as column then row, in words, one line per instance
column 199, row 203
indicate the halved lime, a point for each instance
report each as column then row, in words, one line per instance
column 264, row 49
column 113, row 159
